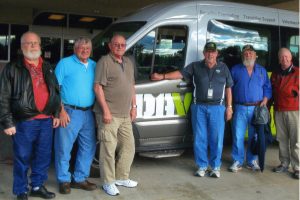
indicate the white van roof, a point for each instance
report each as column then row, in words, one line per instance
column 218, row 9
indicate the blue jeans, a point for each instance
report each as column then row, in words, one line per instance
column 208, row 123
column 82, row 129
column 32, row 145
column 241, row 120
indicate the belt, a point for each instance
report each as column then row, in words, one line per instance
column 249, row 104
column 78, row 107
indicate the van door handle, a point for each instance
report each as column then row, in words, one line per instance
column 182, row 85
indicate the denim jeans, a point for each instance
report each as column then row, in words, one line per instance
column 32, row 145
column 242, row 118
column 208, row 123
column 81, row 129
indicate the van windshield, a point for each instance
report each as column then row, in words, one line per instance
column 100, row 42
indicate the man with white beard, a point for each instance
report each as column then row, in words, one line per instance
column 29, row 109
column 251, row 87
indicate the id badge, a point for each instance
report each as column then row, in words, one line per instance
column 210, row 93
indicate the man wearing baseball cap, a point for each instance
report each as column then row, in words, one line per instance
column 251, row 88
column 212, row 100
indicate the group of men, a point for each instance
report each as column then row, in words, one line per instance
column 218, row 92
column 35, row 99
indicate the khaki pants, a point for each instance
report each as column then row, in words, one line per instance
column 287, row 125
column 116, row 148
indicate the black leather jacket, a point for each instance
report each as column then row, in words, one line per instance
column 16, row 94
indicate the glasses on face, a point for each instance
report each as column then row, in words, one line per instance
column 31, row 43
column 84, row 48
column 118, row 45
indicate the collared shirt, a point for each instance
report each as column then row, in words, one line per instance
column 40, row 89
column 76, row 81
column 285, row 84
column 204, row 79
column 250, row 89
column 117, row 80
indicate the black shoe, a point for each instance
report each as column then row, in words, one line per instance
column 22, row 196
column 296, row 174
column 280, row 169
column 42, row 192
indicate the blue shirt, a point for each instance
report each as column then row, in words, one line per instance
column 76, row 81
column 250, row 89
column 217, row 79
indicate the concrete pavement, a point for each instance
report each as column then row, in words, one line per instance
column 172, row 179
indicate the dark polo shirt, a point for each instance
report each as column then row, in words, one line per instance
column 217, row 79
column 117, row 81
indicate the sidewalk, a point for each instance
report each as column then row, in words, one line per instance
column 172, row 179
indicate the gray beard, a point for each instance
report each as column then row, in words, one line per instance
column 32, row 55
column 248, row 63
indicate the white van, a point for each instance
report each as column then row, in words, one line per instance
column 168, row 36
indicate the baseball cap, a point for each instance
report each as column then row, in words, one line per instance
column 210, row 46
column 248, row 47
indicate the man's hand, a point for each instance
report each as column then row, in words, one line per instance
column 10, row 131
column 107, row 118
column 133, row 114
column 157, row 77
column 56, row 122
column 64, row 118
column 264, row 102
column 228, row 113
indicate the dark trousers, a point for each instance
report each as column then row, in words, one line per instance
column 32, row 145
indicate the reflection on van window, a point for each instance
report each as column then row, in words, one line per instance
column 290, row 39
column 100, row 42
column 232, row 36
column 161, row 50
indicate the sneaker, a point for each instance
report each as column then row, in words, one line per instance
column 215, row 173
column 126, row 183
column 235, row 167
column 200, row 172
column 110, row 189
column 280, row 169
column 253, row 166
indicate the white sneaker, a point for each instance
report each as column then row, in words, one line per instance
column 235, row 167
column 126, row 183
column 253, row 165
column 111, row 189
column 200, row 172
column 215, row 173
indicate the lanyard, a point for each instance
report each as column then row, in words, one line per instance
column 210, row 78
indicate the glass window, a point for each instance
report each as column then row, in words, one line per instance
column 51, row 49
column 4, row 42
column 290, row 40
column 68, row 47
column 15, row 40
column 161, row 50
column 232, row 36
column 100, row 42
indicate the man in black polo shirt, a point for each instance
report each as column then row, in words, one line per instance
column 212, row 82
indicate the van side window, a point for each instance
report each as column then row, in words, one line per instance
column 161, row 50
column 232, row 36
column 290, row 40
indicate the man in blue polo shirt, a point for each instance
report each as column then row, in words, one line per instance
column 251, row 88
column 75, row 75
column 212, row 82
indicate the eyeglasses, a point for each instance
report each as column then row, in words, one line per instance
column 117, row 45
column 31, row 43
column 84, row 48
